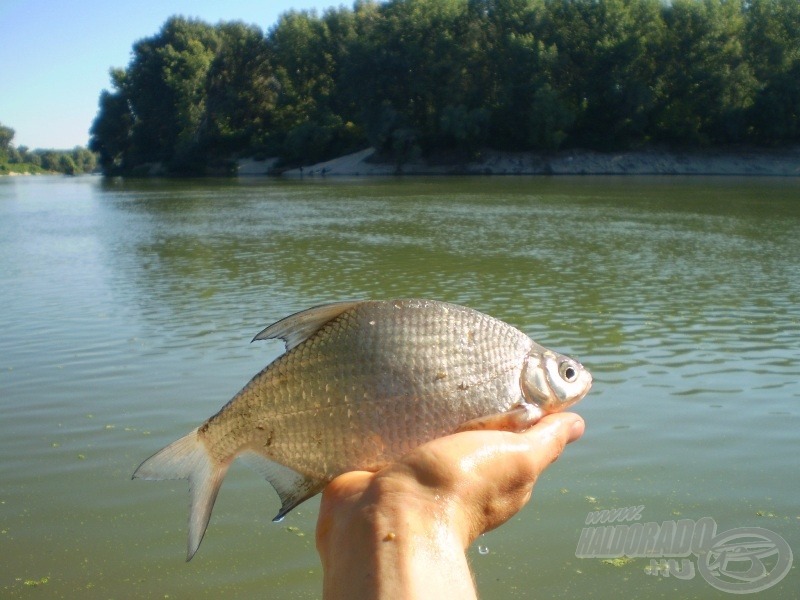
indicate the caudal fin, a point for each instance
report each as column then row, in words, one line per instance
column 188, row 458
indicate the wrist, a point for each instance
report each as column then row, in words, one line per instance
column 387, row 541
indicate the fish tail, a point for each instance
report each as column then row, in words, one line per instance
column 188, row 458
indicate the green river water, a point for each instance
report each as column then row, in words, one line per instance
column 127, row 308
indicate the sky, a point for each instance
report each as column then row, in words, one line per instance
column 55, row 56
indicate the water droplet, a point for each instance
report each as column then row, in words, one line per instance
column 483, row 550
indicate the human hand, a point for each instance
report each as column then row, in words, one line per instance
column 402, row 531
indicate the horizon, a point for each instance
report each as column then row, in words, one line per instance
column 59, row 56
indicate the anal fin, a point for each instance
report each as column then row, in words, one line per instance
column 293, row 488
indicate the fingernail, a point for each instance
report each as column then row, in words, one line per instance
column 576, row 430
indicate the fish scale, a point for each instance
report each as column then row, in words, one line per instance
column 360, row 385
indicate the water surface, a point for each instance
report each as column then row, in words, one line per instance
column 128, row 306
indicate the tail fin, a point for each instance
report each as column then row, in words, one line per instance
column 188, row 458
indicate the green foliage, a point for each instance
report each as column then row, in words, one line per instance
column 21, row 160
column 111, row 130
column 240, row 93
column 428, row 77
column 773, row 50
column 7, row 152
column 165, row 87
column 6, row 136
column 606, row 67
column 85, row 160
column 707, row 84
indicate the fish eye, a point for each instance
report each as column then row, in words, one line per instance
column 568, row 371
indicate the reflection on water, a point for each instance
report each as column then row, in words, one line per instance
column 128, row 307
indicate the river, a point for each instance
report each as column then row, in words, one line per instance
column 128, row 307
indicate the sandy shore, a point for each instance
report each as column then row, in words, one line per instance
column 785, row 162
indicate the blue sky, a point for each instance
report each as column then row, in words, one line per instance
column 55, row 55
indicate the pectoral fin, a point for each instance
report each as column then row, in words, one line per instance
column 292, row 487
column 518, row 418
column 298, row 327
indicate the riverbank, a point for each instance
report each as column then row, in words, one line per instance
column 22, row 170
column 751, row 161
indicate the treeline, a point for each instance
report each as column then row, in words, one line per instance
column 448, row 77
column 21, row 159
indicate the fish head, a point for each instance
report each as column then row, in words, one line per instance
column 554, row 381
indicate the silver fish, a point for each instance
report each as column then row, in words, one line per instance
column 360, row 385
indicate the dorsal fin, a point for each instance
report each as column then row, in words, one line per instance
column 300, row 326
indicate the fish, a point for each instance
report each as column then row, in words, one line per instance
column 361, row 384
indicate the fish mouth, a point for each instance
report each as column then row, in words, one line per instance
column 585, row 391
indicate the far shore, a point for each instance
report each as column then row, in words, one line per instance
column 745, row 162
column 783, row 162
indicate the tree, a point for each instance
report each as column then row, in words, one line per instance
column 6, row 137
column 707, row 85
column 241, row 92
column 50, row 160
column 85, row 160
column 313, row 116
column 112, row 127
column 165, row 87
column 605, row 65
column 28, row 157
column 773, row 46
column 411, row 67
column 448, row 77
column 66, row 165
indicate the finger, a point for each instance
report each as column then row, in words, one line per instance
column 548, row 438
